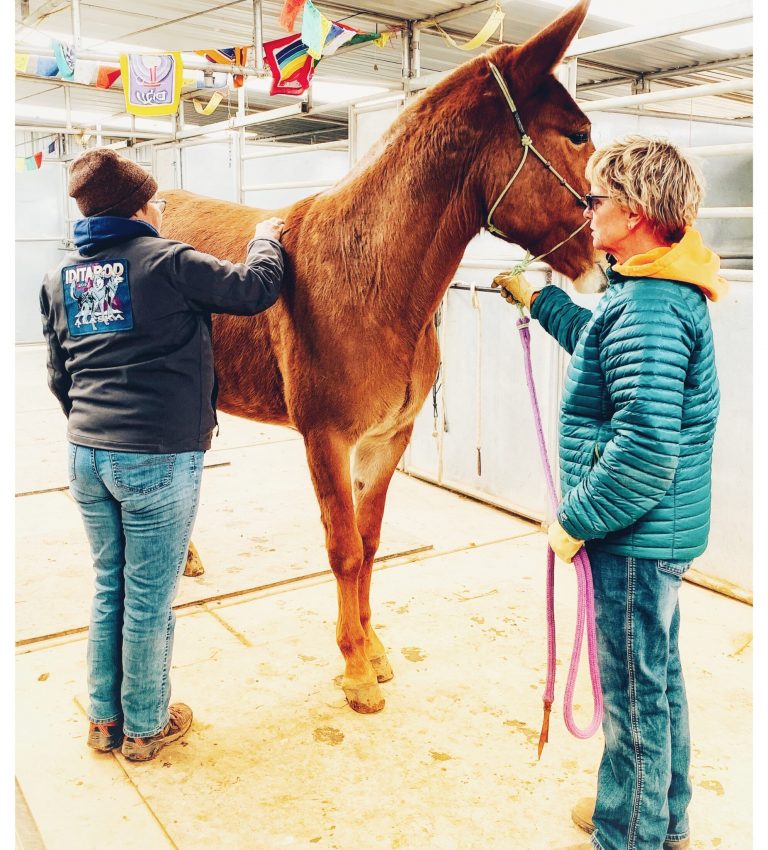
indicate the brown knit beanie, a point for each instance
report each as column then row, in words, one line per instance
column 104, row 183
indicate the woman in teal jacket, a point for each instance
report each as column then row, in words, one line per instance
column 637, row 423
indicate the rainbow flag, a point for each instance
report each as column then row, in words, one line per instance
column 291, row 65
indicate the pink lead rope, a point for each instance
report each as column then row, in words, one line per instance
column 585, row 610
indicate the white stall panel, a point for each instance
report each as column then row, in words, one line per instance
column 211, row 169
column 368, row 124
column 729, row 554
column 40, row 205
column 484, row 443
column 166, row 168
column 318, row 169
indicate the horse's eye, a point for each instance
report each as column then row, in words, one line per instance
column 579, row 138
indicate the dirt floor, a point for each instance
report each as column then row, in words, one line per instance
column 275, row 758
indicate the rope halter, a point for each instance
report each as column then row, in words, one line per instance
column 528, row 145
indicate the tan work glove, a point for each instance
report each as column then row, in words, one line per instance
column 561, row 543
column 516, row 288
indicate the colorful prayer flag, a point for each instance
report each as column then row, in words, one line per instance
column 43, row 66
column 29, row 163
column 227, row 56
column 314, row 29
column 291, row 65
column 52, row 146
column 151, row 82
column 338, row 35
column 86, row 73
column 289, row 13
column 106, row 76
column 65, row 59
column 22, row 63
column 381, row 39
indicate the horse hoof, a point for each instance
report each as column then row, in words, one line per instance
column 382, row 668
column 366, row 699
column 194, row 566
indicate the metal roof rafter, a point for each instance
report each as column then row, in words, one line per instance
column 663, row 73
column 736, row 13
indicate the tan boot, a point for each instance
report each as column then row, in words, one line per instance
column 583, row 811
column 581, row 814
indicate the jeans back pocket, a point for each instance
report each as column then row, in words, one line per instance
column 142, row 473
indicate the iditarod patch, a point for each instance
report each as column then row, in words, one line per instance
column 97, row 297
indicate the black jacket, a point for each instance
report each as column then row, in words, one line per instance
column 127, row 322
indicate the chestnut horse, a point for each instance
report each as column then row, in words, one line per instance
column 349, row 352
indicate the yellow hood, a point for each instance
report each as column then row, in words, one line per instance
column 687, row 261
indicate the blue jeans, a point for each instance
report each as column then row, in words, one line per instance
column 138, row 511
column 643, row 790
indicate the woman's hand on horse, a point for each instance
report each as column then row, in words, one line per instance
column 515, row 288
column 270, row 228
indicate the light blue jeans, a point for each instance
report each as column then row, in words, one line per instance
column 643, row 790
column 138, row 511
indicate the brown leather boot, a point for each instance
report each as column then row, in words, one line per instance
column 104, row 737
column 582, row 812
column 144, row 749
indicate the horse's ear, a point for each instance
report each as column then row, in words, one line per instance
column 542, row 52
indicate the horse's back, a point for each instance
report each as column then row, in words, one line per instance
column 221, row 228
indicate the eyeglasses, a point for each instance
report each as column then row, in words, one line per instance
column 159, row 203
column 590, row 200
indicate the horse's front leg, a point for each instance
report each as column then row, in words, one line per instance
column 374, row 463
column 328, row 457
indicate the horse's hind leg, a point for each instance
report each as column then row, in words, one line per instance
column 194, row 565
column 328, row 457
column 374, row 463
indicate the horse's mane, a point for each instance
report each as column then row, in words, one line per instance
column 428, row 124
column 432, row 143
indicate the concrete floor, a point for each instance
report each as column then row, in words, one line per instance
column 275, row 758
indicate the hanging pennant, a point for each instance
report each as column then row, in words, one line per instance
column 289, row 13
column 86, row 73
column 40, row 66
column 206, row 109
column 493, row 23
column 379, row 39
column 106, row 76
column 338, row 35
column 65, row 59
column 228, row 56
column 314, row 29
column 152, row 83
column 29, row 163
column 290, row 63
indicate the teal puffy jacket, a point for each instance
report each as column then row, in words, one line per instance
column 638, row 416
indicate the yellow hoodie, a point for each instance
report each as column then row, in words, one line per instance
column 687, row 261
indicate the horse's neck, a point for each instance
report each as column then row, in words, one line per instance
column 408, row 218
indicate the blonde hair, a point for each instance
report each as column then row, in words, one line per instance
column 651, row 176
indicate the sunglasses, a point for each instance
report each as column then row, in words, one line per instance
column 589, row 200
column 159, row 203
